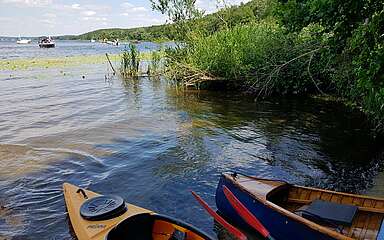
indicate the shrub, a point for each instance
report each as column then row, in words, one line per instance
column 261, row 57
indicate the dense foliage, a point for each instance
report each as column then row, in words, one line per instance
column 356, row 30
column 260, row 57
column 292, row 47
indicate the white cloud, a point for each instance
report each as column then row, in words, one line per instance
column 56, row 17
column 5, row 19
column 127, row 5
column 88, row 13
column 50, row 23
column 95, row 19
column 75, row 6
column 210, row 6
column 49, row 15
column 134, row 11
column 139, row 15
column 28, row 2
column 139, row 9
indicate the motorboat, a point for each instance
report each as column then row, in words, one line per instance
column 47, row 42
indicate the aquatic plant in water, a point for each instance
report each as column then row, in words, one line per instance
column 130, row 61
column 154, row 67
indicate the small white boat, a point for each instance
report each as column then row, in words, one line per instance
column 23, row 41
column 93, row 40
column 47, row 43
column 114, row 42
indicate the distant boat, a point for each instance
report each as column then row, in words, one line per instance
column 114, row 42
column 93, row 40
column 47, row 43
column 23, row 41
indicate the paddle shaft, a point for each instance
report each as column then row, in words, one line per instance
column 245, row 214
column 219, row 219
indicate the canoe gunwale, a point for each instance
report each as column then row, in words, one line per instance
column 287, row 213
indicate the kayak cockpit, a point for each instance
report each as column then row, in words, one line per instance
column 149, row 226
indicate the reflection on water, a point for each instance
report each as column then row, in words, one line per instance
column 143, row 140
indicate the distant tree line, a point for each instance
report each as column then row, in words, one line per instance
column 210, row 23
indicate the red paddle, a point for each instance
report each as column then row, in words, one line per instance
column 219, row 219
column 246, row 214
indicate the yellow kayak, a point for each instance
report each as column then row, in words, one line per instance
column 98, row 217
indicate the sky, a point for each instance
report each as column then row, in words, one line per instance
column 59, row 17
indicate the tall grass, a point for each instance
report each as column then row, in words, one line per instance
column 261, row 57
column 130, row 61
column 154, row 66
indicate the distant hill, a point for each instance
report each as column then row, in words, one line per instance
column 141, row 33
column 66, row 37
column 242, row 14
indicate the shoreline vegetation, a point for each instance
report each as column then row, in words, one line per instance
column 283, row 48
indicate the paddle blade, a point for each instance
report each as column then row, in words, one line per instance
column 245, row 214
column 219, row 219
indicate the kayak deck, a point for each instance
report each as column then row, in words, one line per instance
column 92, row 230
column 98, row 217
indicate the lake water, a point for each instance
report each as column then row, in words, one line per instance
column 11, row 50
column 150, row 144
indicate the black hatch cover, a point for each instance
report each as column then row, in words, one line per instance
column 103, row 208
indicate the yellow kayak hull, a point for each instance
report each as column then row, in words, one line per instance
column 160, row 227
column 92, row 230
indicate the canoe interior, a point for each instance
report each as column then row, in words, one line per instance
column 366, row 223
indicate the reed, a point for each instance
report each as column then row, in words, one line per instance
column 155, row 64
column 130, row 61
column 260, row 57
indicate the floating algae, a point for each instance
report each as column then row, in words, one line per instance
column 69, row 61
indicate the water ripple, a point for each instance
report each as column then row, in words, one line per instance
column 142, row 140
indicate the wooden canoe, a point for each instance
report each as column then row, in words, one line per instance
column 278, row 205
column 134, row 223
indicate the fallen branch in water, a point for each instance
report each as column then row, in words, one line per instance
column 310, row 75
column 268, row 85
column 187, row 75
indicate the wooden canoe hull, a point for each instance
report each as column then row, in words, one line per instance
column 279, row 224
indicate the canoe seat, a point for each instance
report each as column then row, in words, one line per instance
column 279, row 194
column 329, row 213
